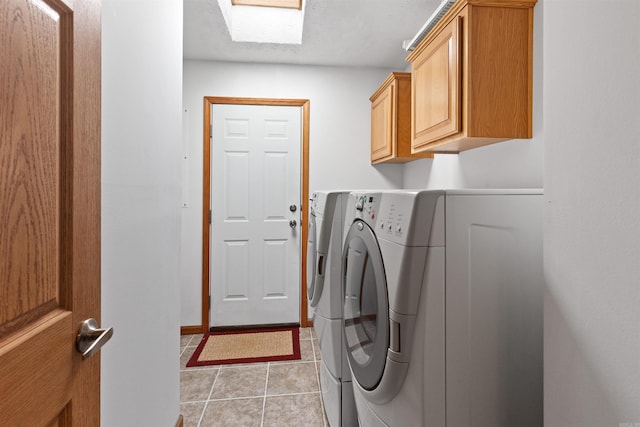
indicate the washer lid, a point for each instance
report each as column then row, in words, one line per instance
column 366, row 305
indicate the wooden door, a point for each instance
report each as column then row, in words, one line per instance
column 49, row 210
column 382, row 132
column 255, row 179
column 435, row 88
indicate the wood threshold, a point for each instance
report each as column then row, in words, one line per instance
column 206, row 194
column 180, row 422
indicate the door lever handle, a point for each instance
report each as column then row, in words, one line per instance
column 90, row 339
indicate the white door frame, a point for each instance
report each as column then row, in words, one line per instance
column 206, row 196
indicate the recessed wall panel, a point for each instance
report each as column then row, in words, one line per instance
column 236, row 186
column 275, row 268
column 236, row 128
column 275, row 179
column 497, row 324
column 236, row 270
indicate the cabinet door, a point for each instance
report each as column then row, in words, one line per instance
column 382, row 135
column 436, row 88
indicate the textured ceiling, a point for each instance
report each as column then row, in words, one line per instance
column 353, row 33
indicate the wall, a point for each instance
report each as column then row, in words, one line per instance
column 510, row 164
column 592, row 219
column 339, row 146
column 141, row 131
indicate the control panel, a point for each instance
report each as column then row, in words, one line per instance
column 367, row 206
column 406, row 217
column 395, row 217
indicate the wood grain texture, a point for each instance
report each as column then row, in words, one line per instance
column 496, row 63
column 30, row 145
column 50, row 209
column 40, row 353
column 206, row 207
column 84, row 200
column 383, row 141
column 391, row 121
column 304, row 211
column 436, row 88
column 206, row 194
column 456, row 9
column 500, row 77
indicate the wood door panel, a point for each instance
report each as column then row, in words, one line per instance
column 49, row 210
column 30, row 157
column 40, row 352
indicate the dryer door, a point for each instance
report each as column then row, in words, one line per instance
column 366, row 305
column 312, row 254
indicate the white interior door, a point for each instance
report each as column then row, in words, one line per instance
column 255, row 247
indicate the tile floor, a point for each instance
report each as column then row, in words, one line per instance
column 282, row 394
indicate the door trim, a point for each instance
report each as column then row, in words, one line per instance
column 209, row 101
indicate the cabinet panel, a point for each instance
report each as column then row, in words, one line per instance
column 381, row 125
column 500, row 103
column 391, row 121
column 472, row 77
column 436, row 88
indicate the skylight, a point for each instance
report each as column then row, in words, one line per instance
column 264, row 21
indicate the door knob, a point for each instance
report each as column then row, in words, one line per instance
column 293, row 208
column 293, row 223
column 90, row 339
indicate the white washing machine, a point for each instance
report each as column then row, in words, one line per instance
column 443, row 307
column 326, row 297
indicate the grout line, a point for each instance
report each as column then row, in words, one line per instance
column 193, row 401
column 253, row 397
column 208, row 397
column 275, row 363
column 302, row 393
column 315, row 362
column 241, row 365
column 264, row 398
column 224, row 399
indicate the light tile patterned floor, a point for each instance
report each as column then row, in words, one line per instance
column 282, row 394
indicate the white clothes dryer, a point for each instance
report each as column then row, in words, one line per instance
column 324, row 290
column 443, row 307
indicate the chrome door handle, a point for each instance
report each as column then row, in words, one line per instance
column 90, row 339
column 293, row 223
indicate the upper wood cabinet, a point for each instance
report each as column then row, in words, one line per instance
column 391, row 121
column 472, row 77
